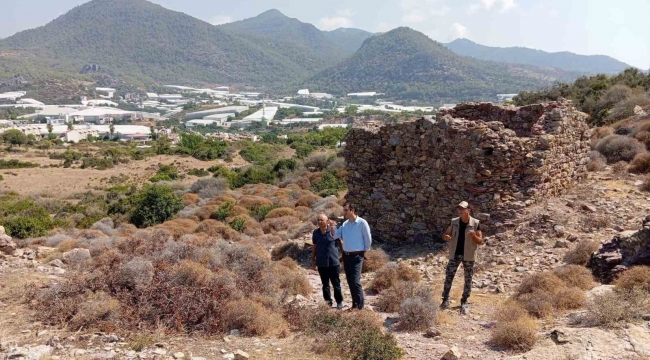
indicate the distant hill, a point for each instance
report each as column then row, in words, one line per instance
column 404, row 63
column 333, row 46
column 145, row 42
column 589, row 64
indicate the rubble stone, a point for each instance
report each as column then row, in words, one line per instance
column 407, row 178
column 623, row 251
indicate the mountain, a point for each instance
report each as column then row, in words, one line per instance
column 145, row 42
column 590, row 64
column 273, row 25
column 349, row 38
column 404, row 63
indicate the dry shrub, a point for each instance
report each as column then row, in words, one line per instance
column 253, row 319
column 417, row 313
column 95, row 307
column 644, row 137
column 634, row 277
column 288, row 249
column 391, row 273
column 307, row 200
column 250, row 202
column 126, row 229
column 303, row 213
column 279, row 224
column 537, row 303
column 575, row 276
column 56, row 239
column 67, row 245
column 137, row 273
column 288, row 263
column 391, row 298
column 569, row 298
column 581, row 253
column 190, row 273
column 179, row 227
column 206, row 212
column 619, row 148
column 510, row 310
column 620, row 167
column 252, row 228
column 297, row 315
column 597, row 162
column 318, row 161
column 191, row 199
column 640, row 164
column 375, row 259
column 105, row 225
column 614, row 307
column 280, row 212
column 602, row 132
column 299, row 231
column 291, row 282
column 217, row 228
column 211, row 187
column 518, row 335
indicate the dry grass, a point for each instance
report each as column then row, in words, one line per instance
column 597, row 161
column 543, row 293
column 191, row 199
column 510, row 310
column 375, row 259
column 612, row 308
column 581, row 253
column 645, row 186
column 620, row 167
column 637, row 277
column 251, row 202
column 417, row 313
column 179, row 227
column 67, row 245
column 283, row 223
column 391, row 299
column 307, row 200
column 619, row 148
column 391, row 273
column 280, row 212
column 575, row 276
column 569, row 298
column 252, row 319
column 95, row 307
column 519, row 335
column 640, row 164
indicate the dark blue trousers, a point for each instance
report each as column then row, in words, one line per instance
column 352, row 264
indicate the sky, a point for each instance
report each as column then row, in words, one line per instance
column 615, row 28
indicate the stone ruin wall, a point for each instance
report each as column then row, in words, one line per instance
column 407, row 178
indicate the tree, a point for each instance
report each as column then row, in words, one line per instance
column 154, row 134
column 351, row 110
column 155, row 205
column 49, row 128
column 14, row 137
column 111, row 129
column 70, row 126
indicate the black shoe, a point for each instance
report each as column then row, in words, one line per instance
column 445, row 304
column 464, row 308
column 339, row 306
column 330, row 303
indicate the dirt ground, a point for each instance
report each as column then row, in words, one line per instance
column 64, row 183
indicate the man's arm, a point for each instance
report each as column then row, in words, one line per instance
column 447, row 235
column 313, row 252
column 477, row 237
column 367, row 237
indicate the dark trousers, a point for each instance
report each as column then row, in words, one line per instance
column 327, row 275
column 468, row 269
column 352, row 265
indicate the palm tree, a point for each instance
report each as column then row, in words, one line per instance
column 111, row 128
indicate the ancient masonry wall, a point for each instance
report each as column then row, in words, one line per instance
column 406, row 178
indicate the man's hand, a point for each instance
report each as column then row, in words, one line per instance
column 313, row 264
column 446, row 237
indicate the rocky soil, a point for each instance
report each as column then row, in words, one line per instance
column 606, row 204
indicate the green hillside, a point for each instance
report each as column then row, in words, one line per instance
column 349, row 39
column 404, row 63
column 143, row 42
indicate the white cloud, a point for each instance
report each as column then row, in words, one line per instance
column 414, row 17
column 459, row 30
column 345, row 13
column 500, row 5
column 220, row 19
column 553, row 13
column 333, row 23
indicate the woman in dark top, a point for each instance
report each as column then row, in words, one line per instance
column 325, row 257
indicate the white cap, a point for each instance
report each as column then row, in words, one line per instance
column 463, row 204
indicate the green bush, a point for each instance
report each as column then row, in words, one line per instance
column 258, row 153
column 14, row 137
column 166, row 173
column 250, row 175
column 198, row 172
column 223, row 211
column 154, row 205
column 285, row 164
column 302, row 150
column 237, row 224
column 96, row 163
column 16, row 164
column 328, row 185
column 260, row 212
column 23, row 218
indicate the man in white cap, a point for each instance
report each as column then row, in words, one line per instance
column 464, row 237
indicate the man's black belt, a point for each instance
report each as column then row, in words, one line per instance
column 354, row 252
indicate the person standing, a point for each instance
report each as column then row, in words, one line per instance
column 325, row 258
column 464, row 237
column 356, row 237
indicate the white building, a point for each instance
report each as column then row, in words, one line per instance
column 321, row 96
column 447, row 106
column 99, row 102
column 76, row 135
column 324, row 126
column 102, row 115
column 303, row 92
column 29, row 101
column 266, row 113
column 205, row 122
column 11, row 96
column 221, row 110
column 506, row 97
column 153, row 96
column 297, row 121
column 171, row 97
column 364, row 94
column 220, row 116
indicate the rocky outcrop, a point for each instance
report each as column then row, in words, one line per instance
column 7, row 245
column 623, row 251
column 407, row 178
column 90, row 69
column 14, row 81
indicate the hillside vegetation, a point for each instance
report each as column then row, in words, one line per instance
column 590, row 64
column 606, row 98
column 404, row 63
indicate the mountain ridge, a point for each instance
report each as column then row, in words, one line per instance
column 565, row 60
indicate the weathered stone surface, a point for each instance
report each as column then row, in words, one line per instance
column 7, row 245
column 76, row 256
column 241, row 355
column 452, row 354
column 623, row 251
column 407, row 178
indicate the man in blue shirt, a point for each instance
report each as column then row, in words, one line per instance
column 325, row 257
column 356, row 238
